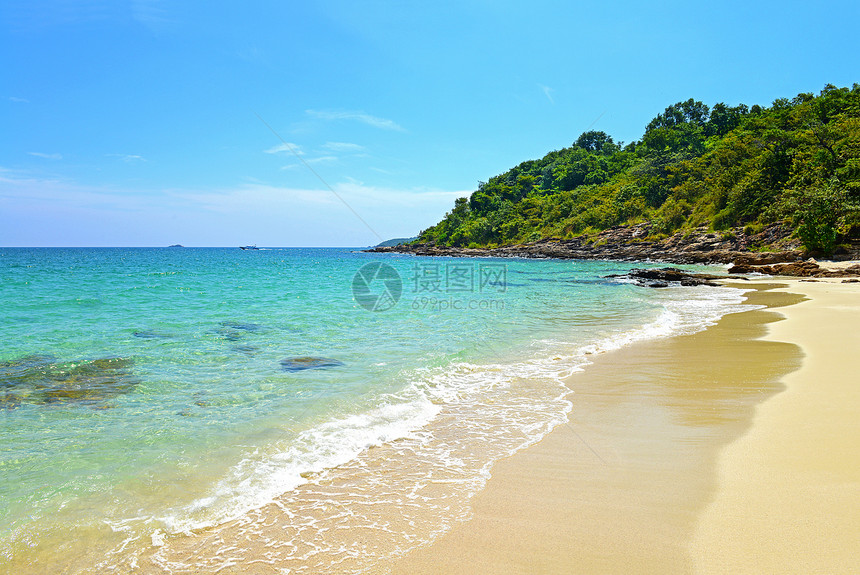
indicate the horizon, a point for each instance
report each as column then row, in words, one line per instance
column 144, row 123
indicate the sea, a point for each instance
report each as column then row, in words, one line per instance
column 285, row 410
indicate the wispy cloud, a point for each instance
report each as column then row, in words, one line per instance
column 368, row 200
column 46, row 156
column 328, row 152
column 288, row 148
column 19, row 100
column 547, row 91
column 37, row 191
column 151, row 14
column 364, row 118
column 343, row 147
column 127, row 158
column 375, row 198
column 319, row 160
column 222, row 216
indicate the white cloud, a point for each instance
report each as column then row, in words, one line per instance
column 376, row 122
column 287, row 147
column 19, row 100
column 151, row 14
column 30, row 190
column 46, row 156
column 319, row 160
column 547, row 91
column 128, row 158
column 251, row 212
column 343, row 147
column 376, row 197
column 255, row 197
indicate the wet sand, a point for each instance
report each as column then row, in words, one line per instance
column 730, row 450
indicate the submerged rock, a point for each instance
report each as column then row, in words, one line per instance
column 246, row 349
column 253, row 327
column 229, row 334
column 302, row 363
column 40, row 379
column 147, row 334
column 236, row 330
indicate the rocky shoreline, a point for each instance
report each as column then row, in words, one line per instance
column 740, row 247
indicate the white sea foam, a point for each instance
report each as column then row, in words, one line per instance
column 262, row 476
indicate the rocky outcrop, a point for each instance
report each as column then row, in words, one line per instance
column 809, row 268
column 630, row 243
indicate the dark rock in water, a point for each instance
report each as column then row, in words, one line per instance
column 40, row 379
column 27, row 362
column 146, row 334
column 25, row 370
column 302, row 363
column 236, row 330
column 253, row 327
column 664, row 277
column 230, row 334
column 246, row 349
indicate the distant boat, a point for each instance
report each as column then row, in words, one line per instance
column 254, row 247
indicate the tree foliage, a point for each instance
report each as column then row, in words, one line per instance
column 796, row 161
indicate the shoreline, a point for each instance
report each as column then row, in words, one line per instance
column 650, row 474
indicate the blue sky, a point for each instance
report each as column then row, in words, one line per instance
column 135, row 123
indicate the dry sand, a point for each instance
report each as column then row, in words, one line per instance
column 789, row 490
column 711, row 453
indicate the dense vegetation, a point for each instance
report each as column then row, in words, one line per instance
column 797, row 161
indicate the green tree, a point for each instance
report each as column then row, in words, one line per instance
column 818, row 214
column 593, row 141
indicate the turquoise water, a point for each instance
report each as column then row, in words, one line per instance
column 149, row 395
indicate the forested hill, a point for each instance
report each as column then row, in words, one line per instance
column 797, row 161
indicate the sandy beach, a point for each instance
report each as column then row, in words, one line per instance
column 728, row 451
column 789, row 490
